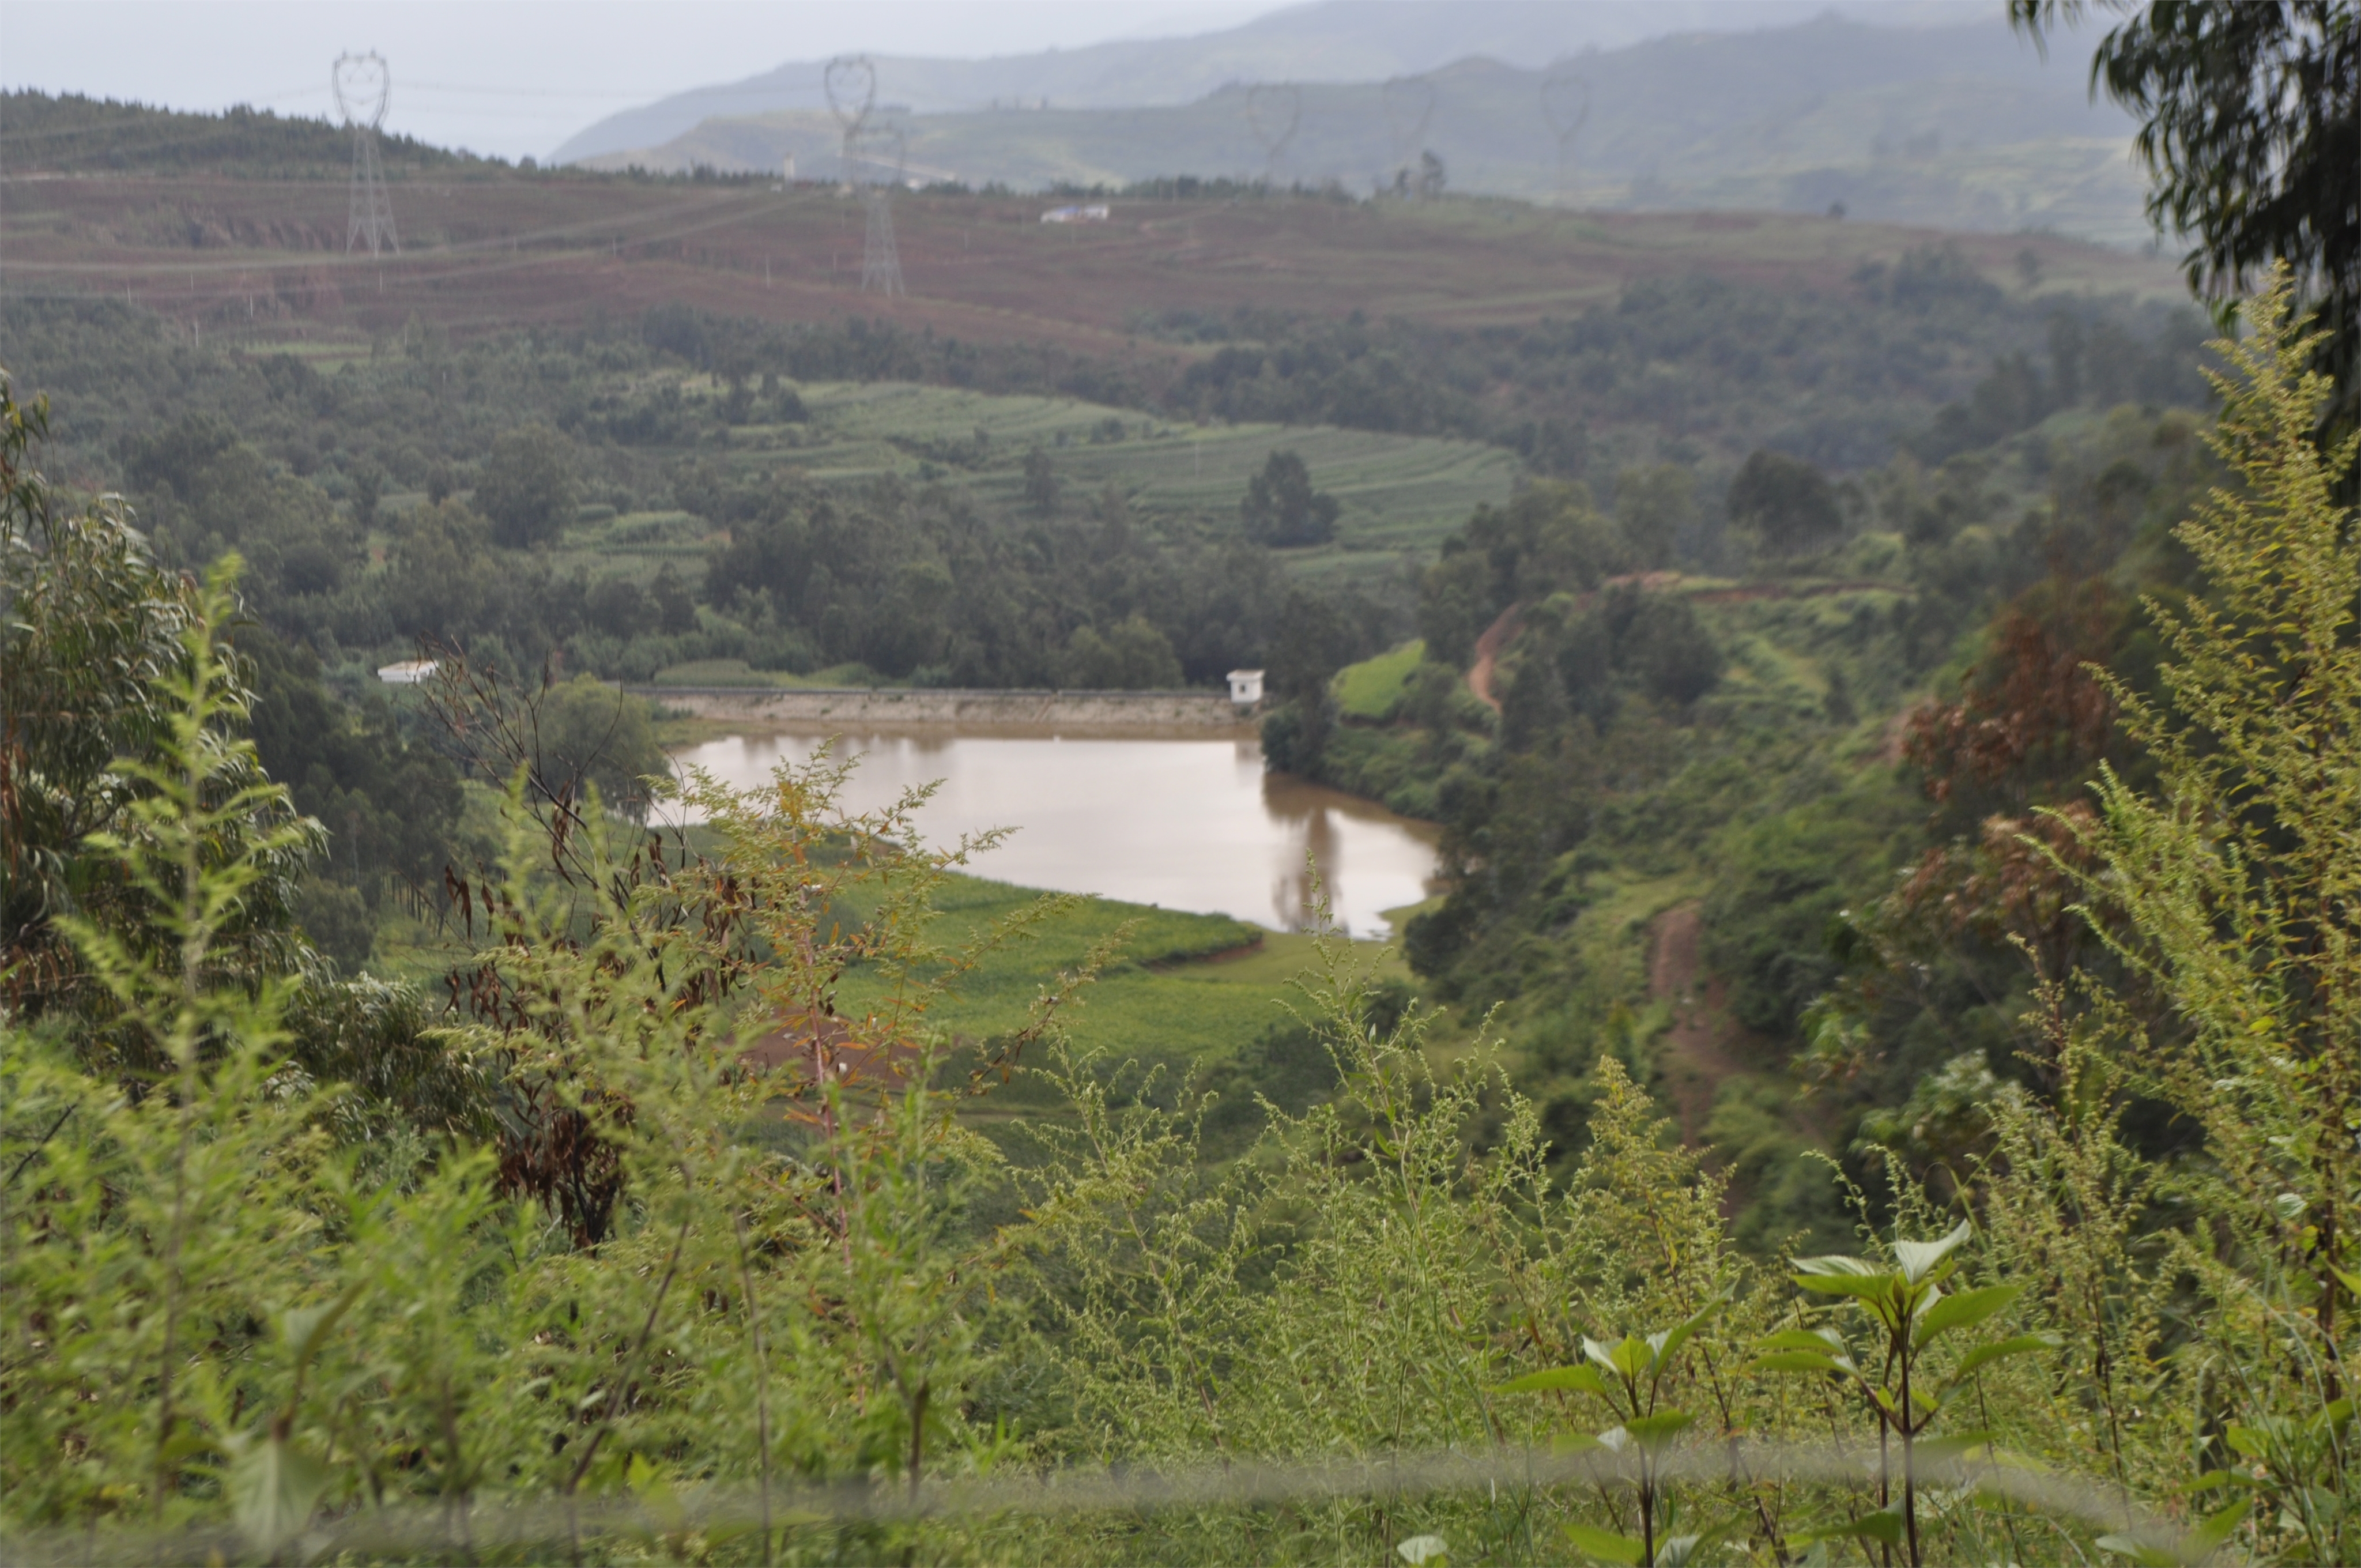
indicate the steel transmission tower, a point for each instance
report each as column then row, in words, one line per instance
column 364, row 89
column 880, row 266
column 851, row 83
column 1274, row 109
column 1409, row 109
column 1565, row 104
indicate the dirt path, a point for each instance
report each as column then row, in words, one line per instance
column 1695, row 1057
column 1488, row 654
column 1502, row 633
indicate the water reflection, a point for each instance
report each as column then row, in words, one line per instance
column 1184, row 823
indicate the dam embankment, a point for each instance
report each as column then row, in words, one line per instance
column 1080, row 713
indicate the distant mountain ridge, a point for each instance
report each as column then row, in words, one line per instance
column 1332, row 41
column 1959, row 127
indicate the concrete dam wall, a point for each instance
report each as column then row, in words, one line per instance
column 1103, row 712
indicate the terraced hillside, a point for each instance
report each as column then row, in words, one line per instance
column 1400, row 494
column 262, row 260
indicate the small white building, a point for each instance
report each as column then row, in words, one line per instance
column 1246, row 688
column 1095, row 213
column 417, row 671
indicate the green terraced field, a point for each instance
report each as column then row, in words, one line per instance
column 1399, row 492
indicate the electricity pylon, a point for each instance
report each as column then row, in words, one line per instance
column 1565, row 104
column 880, row 266
column 364, row 89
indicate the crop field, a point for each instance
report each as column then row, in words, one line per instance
column 1399, row 492
column 263, row 259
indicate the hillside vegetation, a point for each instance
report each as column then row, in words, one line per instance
column 67, row 131
column 687, row 497
column 1874, row 1081
column 574, row 1274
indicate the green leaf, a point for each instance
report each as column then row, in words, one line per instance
column 1825, row 1340
column 273, row 1488
column 2198, row 1546
column 1939, row 1450
column 1885, row 1524
column 1680, row 1550
column 2208, row 1537
column 1667, row 1344
column 1628, row 1358
column 1576, row 1442
column 1581, row 1379
column 2246, row 1440
column 1985, row 1354
column 1603, row 1544
column 1422, row 1549
column 1835, row 1266
column 1962, row 1310
column 1918, row 1259
column 1843, row 1282
column 1654, row 1431
column 1798, row 1361
column 303, row 1328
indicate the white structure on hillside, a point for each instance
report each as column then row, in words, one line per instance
column 1246, row 688
column 417, row 671
column 1097, row 213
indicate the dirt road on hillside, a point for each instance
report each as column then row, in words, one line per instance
column 1695, row 1059
column 1495, row 637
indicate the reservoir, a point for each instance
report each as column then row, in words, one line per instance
column 1186, row 823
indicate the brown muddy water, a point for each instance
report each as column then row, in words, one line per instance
column 1187, row 823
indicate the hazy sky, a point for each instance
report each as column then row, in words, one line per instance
column 512, row 77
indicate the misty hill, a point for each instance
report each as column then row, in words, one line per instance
column 68, row 132
column 1959, row 127
column 1337, row 41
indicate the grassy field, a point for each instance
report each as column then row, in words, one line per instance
column 1372, row 689
column 1186, row 988
column 1189, row 988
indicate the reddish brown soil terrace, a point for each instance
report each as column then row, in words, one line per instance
column 265, row 257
